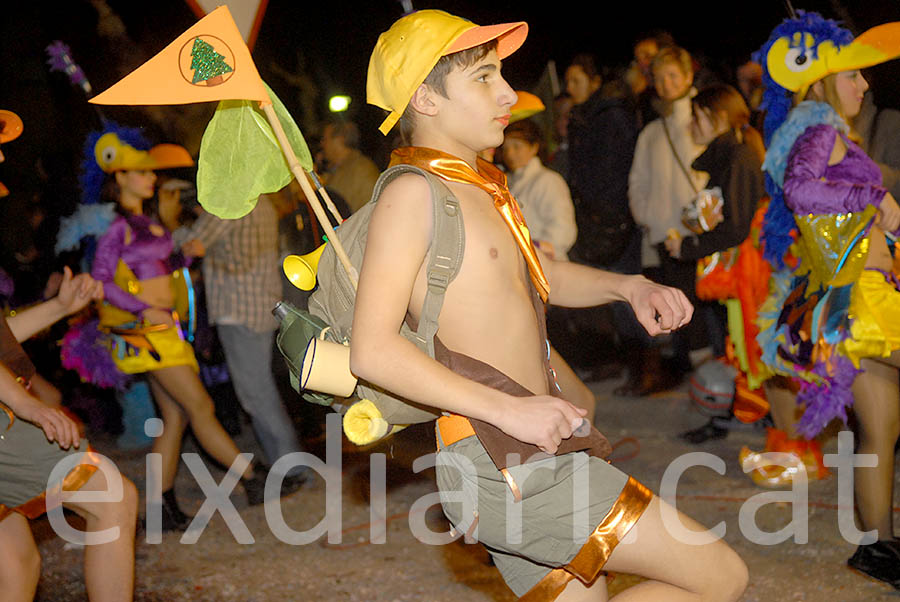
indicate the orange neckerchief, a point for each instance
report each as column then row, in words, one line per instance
column 491, row 180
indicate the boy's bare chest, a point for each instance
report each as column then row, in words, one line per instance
column 491, row 250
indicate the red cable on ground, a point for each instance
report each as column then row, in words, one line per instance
column 625, row 441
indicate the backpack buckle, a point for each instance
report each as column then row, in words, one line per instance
column 451, row 206
column 438, row 281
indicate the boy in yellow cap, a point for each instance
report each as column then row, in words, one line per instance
column 552, row 523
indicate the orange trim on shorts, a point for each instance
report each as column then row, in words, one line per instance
column 589, row 561
column 75, row 480
column 12, row 418
column 453, row 428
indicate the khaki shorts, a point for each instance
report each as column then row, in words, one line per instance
column 565, row 502
column 26, row 461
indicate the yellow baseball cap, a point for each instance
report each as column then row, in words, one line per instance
column 407, row 52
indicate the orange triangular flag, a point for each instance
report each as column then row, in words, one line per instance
column 207, row 62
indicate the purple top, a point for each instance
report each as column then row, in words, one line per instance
column 813, row 186
column 146, row 254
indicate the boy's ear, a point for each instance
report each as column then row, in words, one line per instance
column 423, row 100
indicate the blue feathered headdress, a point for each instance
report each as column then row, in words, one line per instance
column 777, row 103
column 91, row 178
column 777, row 100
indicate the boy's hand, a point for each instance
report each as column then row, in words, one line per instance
column 56, row 425
column 660, row 309
column 541, row 420
column 77, row 291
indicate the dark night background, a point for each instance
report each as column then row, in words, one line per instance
column 333, row 40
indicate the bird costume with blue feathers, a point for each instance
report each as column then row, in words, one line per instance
column 827, row 308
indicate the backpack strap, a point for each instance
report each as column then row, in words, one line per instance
column 448, row 244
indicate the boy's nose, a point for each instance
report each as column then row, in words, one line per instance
column 508, row 96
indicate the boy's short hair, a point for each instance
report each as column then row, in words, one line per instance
column 407, row 53
column 675, row 55
column 437, row 77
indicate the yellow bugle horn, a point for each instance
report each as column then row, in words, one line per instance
column 301, row 269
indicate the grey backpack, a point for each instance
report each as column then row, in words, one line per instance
column 334, row 299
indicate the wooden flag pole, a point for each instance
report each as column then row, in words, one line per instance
column 303, row 180
column 328, row 202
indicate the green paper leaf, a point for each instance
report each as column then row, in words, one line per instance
column 240, row 158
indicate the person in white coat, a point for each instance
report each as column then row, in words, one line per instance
column 660, row 184
column 542, row 193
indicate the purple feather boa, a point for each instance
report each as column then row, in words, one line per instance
column 85, row 350
column 829, row 400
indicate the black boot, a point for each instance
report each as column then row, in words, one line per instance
column 651, row 375
column 633, row 353
column 173, row 519
column 880, row 560
column 711, row 430
column 255, row 486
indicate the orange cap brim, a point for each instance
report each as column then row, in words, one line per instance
column 10, row 126
column 509, row 36
column 527, row 105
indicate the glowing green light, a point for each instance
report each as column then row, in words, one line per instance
column 336, row 104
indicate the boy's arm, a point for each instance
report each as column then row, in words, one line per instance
column 658, row 308
column 74, row 293
column 56, row 425
column 398, row 240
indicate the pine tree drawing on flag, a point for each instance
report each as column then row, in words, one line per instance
column 209, row 66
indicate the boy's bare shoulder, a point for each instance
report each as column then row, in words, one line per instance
column 408, row 194
column 409, row 188
column 404, row 205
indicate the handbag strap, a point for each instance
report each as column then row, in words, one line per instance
column 677, row 158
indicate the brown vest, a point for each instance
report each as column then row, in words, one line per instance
column 12, row 355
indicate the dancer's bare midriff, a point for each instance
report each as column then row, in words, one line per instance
column 157, row 292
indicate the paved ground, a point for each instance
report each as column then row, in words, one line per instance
column 218, row 568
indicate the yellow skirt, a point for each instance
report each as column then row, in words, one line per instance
column 134, row 352
column 874, row 318
column 168, row 349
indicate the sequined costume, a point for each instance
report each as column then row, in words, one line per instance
column 136, row 248
column 827, row 310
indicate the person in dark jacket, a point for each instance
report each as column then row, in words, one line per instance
column 733, row 159
column 602, row 132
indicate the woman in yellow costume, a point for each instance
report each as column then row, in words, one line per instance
column 832, row 321
column 139, row 272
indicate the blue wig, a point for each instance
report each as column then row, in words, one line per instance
column 91, row 178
